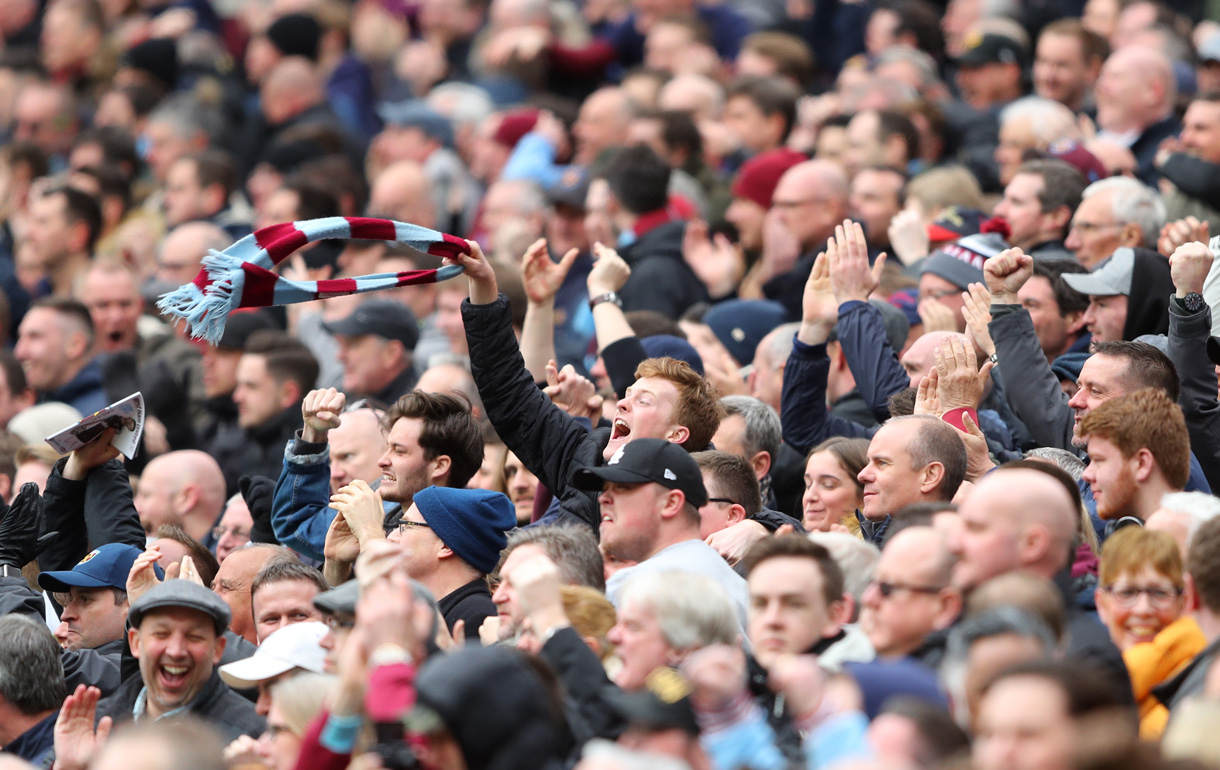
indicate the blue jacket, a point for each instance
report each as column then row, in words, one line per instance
column 85, row 392
column 300, row 510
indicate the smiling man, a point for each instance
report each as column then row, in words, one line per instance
column 1128, row 295
column 176, row 635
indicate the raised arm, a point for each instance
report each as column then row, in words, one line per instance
column 1189, row 331
column 542, row 279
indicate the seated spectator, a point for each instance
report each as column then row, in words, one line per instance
column 55, row 348
column 233, row 529
column 198, row 188
column 292, row 651
column 1114, row 213
column 1038, row 206
column 233, row 584
column 1128, row 295
column 185, row 488
column 833, row 492
column 1140, row 599
column 574, row 553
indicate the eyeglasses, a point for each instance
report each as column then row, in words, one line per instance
column 406, row 524
column 939, row 294
column 724, row 500
column 1129, row 596
column 240, row 534
column 888, row 589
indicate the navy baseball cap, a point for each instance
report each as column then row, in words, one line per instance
column 383, row 317
column 105, row 567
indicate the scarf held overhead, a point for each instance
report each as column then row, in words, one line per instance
column 241, row 276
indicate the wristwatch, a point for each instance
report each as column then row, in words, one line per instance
column 610, row 296
column 1193, row 302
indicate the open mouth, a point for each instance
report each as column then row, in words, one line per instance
column 621, row 429
column 173, row 677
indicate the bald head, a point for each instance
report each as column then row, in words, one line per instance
column 1136, row 89
column 811, row 198
column 698, row 95
column 1015, row 518
column 291, row 87
column 185, row 488
column 603, row 122
column 403, row 192
column 181, row 254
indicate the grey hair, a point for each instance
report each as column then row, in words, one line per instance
column 463, row 103
column 573, row 549
column 1199, row 506
column 763, row 430
column 779, row 343
column 694, row 611
column 31, row 667
column 920, row 60
column 856, row 557
column 1003, row 620
column 607, row 753
column 1134, row 202
column 187, row 117
column 1049, row 120
column 1063, row 459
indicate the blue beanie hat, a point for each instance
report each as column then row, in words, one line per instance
column 740, row 324
column 669, row 346
column 472, row 522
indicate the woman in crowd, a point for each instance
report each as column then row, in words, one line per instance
column 833, row 494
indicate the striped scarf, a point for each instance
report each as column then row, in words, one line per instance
column 241, row 276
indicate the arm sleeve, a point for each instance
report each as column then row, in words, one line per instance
column 873, row 362
column 300, row 514
column 1187, row 348
column 534, row 159
column 88, row 514
column 806, row 420
column 621, row 358
column 1032, row 388
column 1194, row 177
column 315, row 756
column 655, row 284
column 541, row 434
column 584, row 680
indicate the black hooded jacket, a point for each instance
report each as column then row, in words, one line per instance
column 1148, row 302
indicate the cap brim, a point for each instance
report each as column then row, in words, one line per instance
column 248, row 672
column 1090, row 284
column 341, row 599
column 345, row 327
column 643, row 708
column 593, row 479
column 61, row 582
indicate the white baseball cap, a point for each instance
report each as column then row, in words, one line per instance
column 294, row 646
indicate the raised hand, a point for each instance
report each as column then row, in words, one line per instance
column 19, row 528
column 1006, row 273
column 537, row 583
column 609, row 273
column 77, row 740
column 978, row 456
column 541, row 276
column 385, row 611
column 935, row 316
column 819, row 308
column 361, row 506
column 909, row 235
column 960, row 383
column 188, row 571
column 977, row 312
column 1189, row 266
column 342, row 545
column 96, row 452
column 482, row 279
column 322, row 412
column 717, row 675
column 572, row 393
column 851, row 278
column 733, row 542
column 927, row 400
column 1181, row 232
column 143, row 574
column 715, row 261
column 781, row 249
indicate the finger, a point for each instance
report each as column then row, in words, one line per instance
column 971, row 427
column 103, row 730
column 985, row 372
column 172, row 572
column 569, row 259
column 878, row 266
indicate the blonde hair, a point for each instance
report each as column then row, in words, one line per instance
column 591, row 615
column 300, row 699
column 1131, row 549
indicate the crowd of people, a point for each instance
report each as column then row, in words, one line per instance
column 801, row 384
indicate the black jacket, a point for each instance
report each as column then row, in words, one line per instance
column 552, row 444
column 587, row 707
column 1188, row 682
column 231, row 715
column 1088, row 642
column 471, row 603
column 255, row 451
column 660, row 278
column 88, row 514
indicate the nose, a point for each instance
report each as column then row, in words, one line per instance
column 501, row 593
column 176, row 646
column 262, row 706
column 871, row 596
column 1073, row 239
column 1088, row 475
column 1077, row 401
column 615, row 635
column 383, row 462
column 866, row 475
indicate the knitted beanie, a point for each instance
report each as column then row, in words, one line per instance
column 759, row 175
column 472, row 522
column 296, row 34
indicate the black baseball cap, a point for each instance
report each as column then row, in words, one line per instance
column 240, row 325
column 385, row 318
column 990, row 48
column 644, row 460
column 663, row 704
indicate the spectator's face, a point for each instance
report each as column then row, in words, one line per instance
column 1100, row 17
column 1101, row 379
column 49, row 236
column 354, row 448
column 1201, row 130
column 396, row 143
column 717, row 515
column 874, row 202
column 631, row 519
column 259, row 397
column 832, row 144
column 1112, row 478
column 946, row 293
column 234, row 528
column 747, row 216
column 565, row 229
column 602, row 123
column 766, row 381
column 449, row 320
column 279, row 206
column 65, row 40
column 115, row 305
column 919, row 601
column 367, row 362
column 507, row 604
column 1095, row 234
column 90, row 618
column 788, row 609
column 39, row 120
column 1022, row 209
column 185, row 200
column 220, row 371
column 522, row 484
column 986, row 85
column 283, row 603
column 1106, row 317
column 1061, row 72
column 1121, row 95
column 177, row 649
column 279, row 746
column 752, row 128
column 32, row 472
column 164, row 148
column 881, row 31
column 890, row 480
column 731, row 435
column 263, row 181
column 830, row 493
column 261, row 58
column 47, row 349
column 665, row 45
column 1135, row 623
column 157, row 498
column 340, row 625
column 232, row 583
column 1016, row 136
column 639, row 644
column 645, row 411
column 420, row 545
column 1038, row 297
column 863, row 143
column 404, row 470
column 986, row 542
column 1024, row 725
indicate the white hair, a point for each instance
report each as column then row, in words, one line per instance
column 857, row 558
column 462, row 103
column 1134, row 202
column 1049, row 120
column 1199, row 506
column 600, row 752
column 694, row 611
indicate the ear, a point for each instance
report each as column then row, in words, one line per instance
column 1190, row 594
column 133, row 641
column 441, row 465
column 290, row 394
column 79, row 236
column 675, row 501
column 776, row 123
column 1075, row 321
column 77, row 345
column 1033, row 544
column 838, row 614
column 933, row 475
column 215, row 197
column 444, row 551
column 1060, row 216
column 737, row 514
column 189, row 495
column 1143, row 464
column 949, row 610
column 221, row 641
column 679, row 434
column 1131, row 235
column 761, row 463
column 1104, row 606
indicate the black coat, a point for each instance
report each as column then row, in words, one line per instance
column 471, row 603
column 660, row 278
column 88, row 514
column 231, row 715
column 255, row 451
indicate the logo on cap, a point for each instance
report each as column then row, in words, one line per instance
column 89, row 556
column 668, row 685
column 739, row 334
column 618, row 455
column 670, row 475
column 973, row 40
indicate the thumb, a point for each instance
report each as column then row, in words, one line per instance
column 985, row 372
column 878, row 266
column 552, row 373
column 565, row 264
column 786, row 529
column 459, row 631
column 172, row 571
column 971, row 427
column 103, row 731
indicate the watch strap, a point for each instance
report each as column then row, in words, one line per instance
column 610, row 296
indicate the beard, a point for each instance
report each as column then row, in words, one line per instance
column 1116, row 501
column 404, row 488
